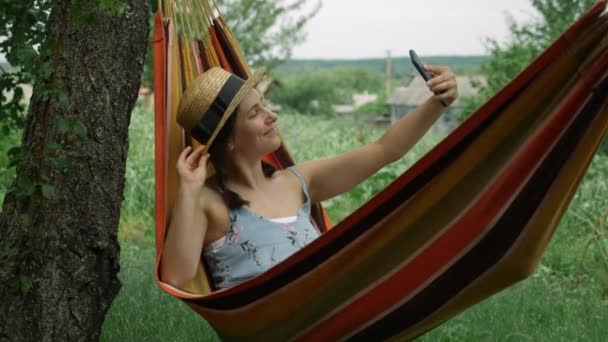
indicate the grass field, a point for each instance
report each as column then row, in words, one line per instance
column 564, row 300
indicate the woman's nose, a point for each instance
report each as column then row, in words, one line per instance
column 271, row 116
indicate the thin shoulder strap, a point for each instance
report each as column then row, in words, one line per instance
column 302, row 181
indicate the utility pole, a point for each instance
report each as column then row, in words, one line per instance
column 388, row 73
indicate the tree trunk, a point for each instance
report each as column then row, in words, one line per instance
column 59, row 258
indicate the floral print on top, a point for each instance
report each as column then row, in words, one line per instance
column 253, row 244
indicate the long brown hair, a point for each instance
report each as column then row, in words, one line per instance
column 217, row 155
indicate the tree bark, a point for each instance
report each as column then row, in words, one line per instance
column 65, row 257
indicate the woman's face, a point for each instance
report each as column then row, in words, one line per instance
column 255, row 131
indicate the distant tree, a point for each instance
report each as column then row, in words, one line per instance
column 526, row 42
column 378, row 107
column 266, row 30
column 315, row 92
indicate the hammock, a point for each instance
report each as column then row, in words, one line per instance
column 470, row 218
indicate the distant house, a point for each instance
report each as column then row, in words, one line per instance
column 405, row 99
column 266, row 86
column 358, row 101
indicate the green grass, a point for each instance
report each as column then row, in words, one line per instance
column 561, row 301
column 310, row 137
column 142, row 312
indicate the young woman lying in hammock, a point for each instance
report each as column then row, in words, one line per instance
column 248, row 216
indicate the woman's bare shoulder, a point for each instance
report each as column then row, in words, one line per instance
column 210, row 196
column 216, row 211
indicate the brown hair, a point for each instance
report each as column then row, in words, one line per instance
column 217, row 155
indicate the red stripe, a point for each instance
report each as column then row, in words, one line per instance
column 218, row 50
column 500, row 99
column 160, row 138
column 467, row 229
column 493, row 105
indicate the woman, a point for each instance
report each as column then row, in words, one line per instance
column 248, row 216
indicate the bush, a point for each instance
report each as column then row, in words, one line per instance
column 317, row 91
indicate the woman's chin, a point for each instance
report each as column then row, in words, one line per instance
column 274, row 146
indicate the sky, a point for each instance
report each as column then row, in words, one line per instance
column 353, row 29
column 368, row 28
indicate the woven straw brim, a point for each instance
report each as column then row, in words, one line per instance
column 250, row 83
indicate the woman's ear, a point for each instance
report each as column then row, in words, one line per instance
column 230, row 143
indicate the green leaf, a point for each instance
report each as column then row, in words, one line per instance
column 53, row 147
column 15, row 284
column 26, row 283
column 62, row 124
column 76, row 11
column 44, row 178
column 14, row 150
column 26, row 222
column 120, row 8
column 15, row 155
column 12, row 163
column 45, row 70
column 48, row 191
column 11, row 252
column 80, row 129
column 64, row 100
column 25, row 184
column 63, row 162
column 17, row 93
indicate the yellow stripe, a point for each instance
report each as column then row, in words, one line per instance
column 283, row 307
column 528, row 250
column 317, row 292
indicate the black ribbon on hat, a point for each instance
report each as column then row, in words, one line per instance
column 212, row 117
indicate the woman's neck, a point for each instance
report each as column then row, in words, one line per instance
column 245, row 174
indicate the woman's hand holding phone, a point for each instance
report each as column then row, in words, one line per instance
column 440, row 80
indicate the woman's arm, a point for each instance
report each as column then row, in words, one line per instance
column 184, row 241
column 330, row 177
column 188, row 223
column 406, row 132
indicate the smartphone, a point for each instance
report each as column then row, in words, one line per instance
column 419, row 65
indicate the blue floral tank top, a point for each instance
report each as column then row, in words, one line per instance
column 253, row 244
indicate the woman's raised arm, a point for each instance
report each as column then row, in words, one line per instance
column 330, row 177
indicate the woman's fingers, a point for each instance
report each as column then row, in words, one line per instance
column 203, row 160
column 194, row 155
column 441, row 78
column 449, row 96
column 182, row 156
column 436, row 69
column 443, row 86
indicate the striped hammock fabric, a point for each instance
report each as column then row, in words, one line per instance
column 470, row 218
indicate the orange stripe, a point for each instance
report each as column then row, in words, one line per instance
column 519, row 263
column 431, row 260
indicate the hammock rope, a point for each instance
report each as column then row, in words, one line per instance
column 470, row 218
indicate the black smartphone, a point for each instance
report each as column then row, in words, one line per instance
column 425, row 75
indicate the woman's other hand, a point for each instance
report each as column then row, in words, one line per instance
column 443, row 83
column 192, row 168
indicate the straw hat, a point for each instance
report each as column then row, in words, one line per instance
column 210, row 100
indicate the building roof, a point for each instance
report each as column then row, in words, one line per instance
column 266, row 84
column 416, row 92
column 358, row 101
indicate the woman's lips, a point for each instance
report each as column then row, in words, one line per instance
column 270, row 131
